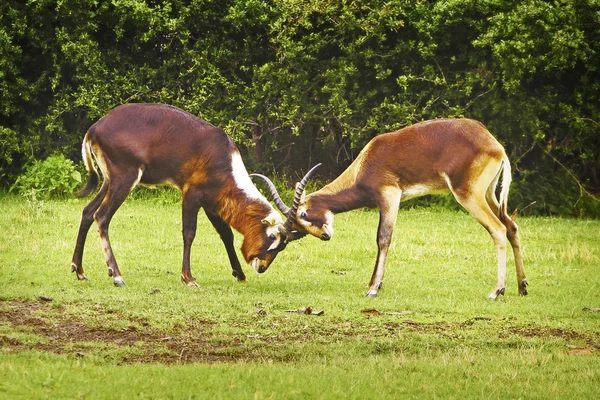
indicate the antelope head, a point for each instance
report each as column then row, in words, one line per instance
column 263, row 242
column 314, row 218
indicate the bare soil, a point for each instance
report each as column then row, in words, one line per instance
column 60, row 333
column 65, row 335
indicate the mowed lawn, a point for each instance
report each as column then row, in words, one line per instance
column 430, row 333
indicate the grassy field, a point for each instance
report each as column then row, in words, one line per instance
column 431, row 332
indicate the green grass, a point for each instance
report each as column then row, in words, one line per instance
column 436, row 334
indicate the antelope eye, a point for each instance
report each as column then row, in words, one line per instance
column 272, row 236
column 302, row 215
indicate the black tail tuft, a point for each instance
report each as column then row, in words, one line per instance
column 90, row 186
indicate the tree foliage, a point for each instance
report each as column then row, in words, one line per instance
column 297, row 81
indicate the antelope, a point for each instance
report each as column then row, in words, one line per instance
column 155, row 144
column 446, row 155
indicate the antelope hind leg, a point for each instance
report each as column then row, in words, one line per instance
column 496, row 292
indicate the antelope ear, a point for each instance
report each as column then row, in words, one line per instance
column 269, row 221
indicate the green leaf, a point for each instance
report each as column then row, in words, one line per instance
column 76, row 175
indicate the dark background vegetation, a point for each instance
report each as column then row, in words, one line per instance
column 297, row 82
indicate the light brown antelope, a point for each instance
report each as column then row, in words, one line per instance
column 439, row 156
column 156, row 144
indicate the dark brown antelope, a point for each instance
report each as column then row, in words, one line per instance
column 154, row 144
column 440, row 156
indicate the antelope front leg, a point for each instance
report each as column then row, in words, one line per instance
column 226, row 234
column 388, row 213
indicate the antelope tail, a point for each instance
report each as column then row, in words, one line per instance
column 90, row 167
column 505, row 186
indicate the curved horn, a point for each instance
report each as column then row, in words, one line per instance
column 287, row 226
column 274, row 194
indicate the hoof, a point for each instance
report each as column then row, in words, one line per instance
column 374, row 289
column 189, row 282
column 523, row 287
column 240, row 277
column 119, row 281
column 494, row 295
column 80, row 275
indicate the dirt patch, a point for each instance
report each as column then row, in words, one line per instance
column 544, row 333
column 39, row 326
column 61, row 334
column 592, row 341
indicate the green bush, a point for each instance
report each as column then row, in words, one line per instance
column 156, row 194
column 297, row 82
column 55, row 177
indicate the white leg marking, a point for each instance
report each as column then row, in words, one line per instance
column 119, row 281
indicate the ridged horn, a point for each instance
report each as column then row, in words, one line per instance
column 274, row 194
column 291, row 216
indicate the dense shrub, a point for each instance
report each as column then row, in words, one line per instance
column 297, row 82
column 56, row 176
